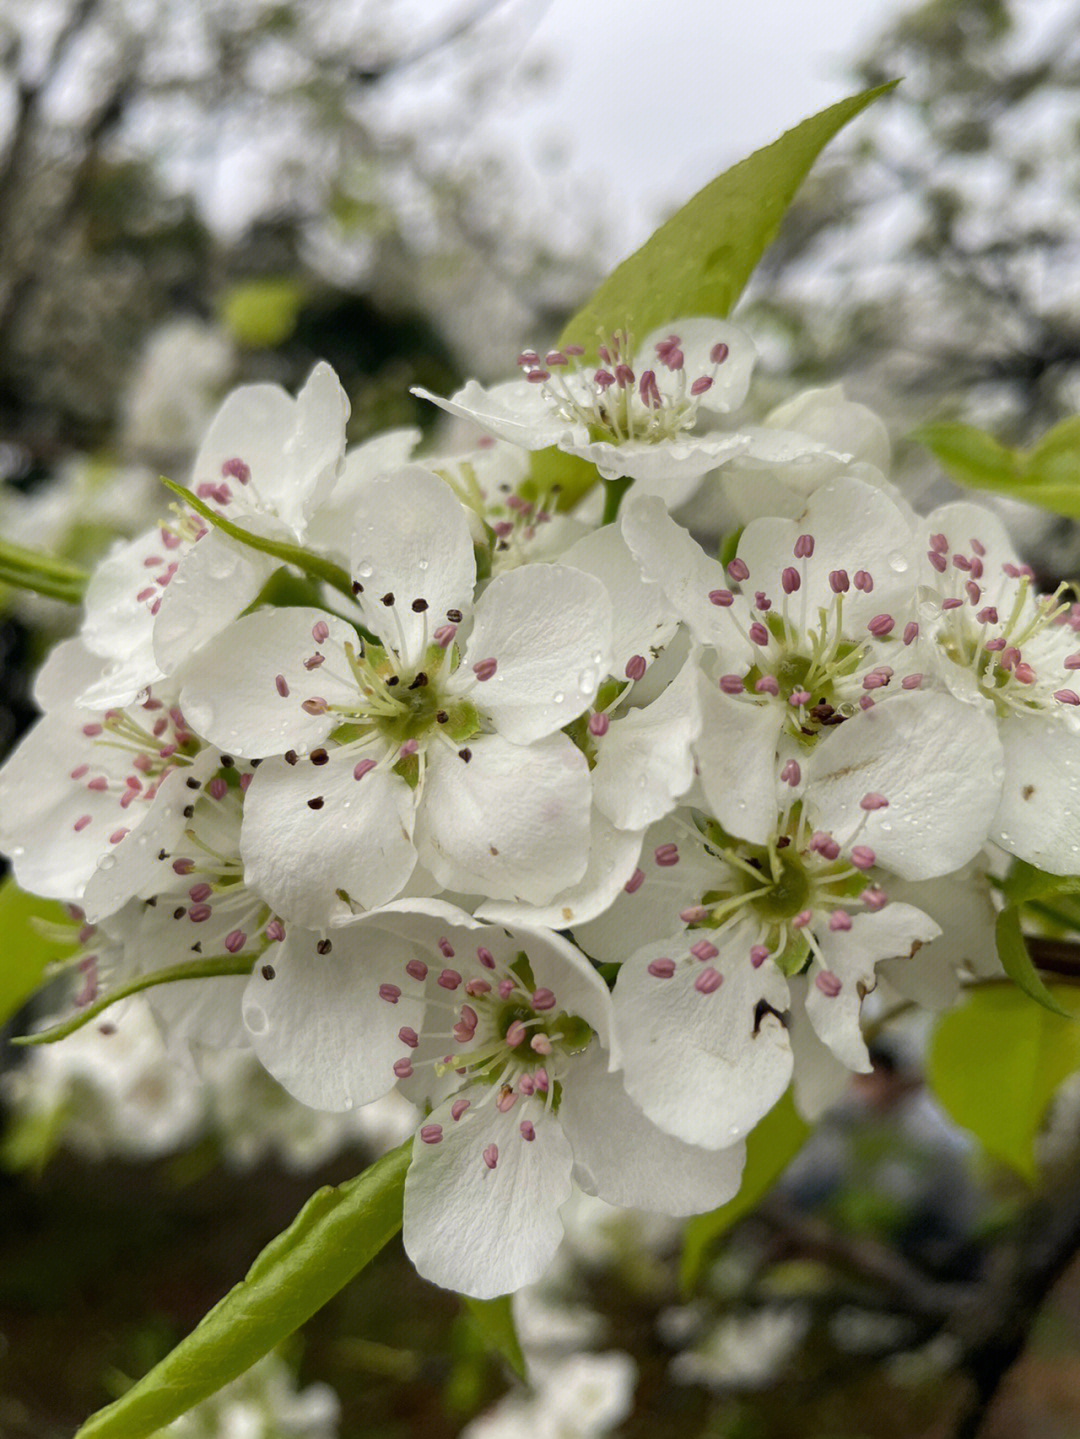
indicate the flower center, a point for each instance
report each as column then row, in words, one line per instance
column 612, row 402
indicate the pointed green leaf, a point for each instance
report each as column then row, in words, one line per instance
column 1016, row 961
column 770, row 1148
column 698, row 262
column 1048, row 475
column 995, row 1065
column 43, row 574
column 334, row 1236
column 1024, row 883
column 33, row 934
column 495, row 1320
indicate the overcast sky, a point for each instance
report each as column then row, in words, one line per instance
column 654, row 97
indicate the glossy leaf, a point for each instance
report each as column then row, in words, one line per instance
column 35, row 932
column 995, row 1064
column 770, row 1148
column 698, row 262
column 495, row 1320
column 1047, row 475
column 334, row 1236
column 1017, row 962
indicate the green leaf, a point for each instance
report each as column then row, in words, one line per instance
column 334, row 1236
column 28, row 569
column 262, row 313
column 1047, row 475
column 211, row 968
column 1016, row 961
column 495, row 1320
column 698, row 262
column 36, row 932
column 770, row 1148
column 311, row 564
column 996, row 1063
column 1024, row 883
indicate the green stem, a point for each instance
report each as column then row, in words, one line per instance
column 613, row 493
column 314, row 565
column 28, row 569
column 193, row 969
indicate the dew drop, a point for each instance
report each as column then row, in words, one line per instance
column 421, row 564
column 256, row 1019
column 898, row 563
column 107, row 861
column 558, row 697
column 587, row 680
column 365, row 570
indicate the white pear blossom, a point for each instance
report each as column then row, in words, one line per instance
column 412, row 744
column 583, row 1397
column 266, row 464
column 653, row 414
column 1008, row 652
column 78, row 790
column 505, row 1036
column 712, row 926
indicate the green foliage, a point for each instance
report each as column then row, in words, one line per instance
column 35, row 933
column 1047, row 475
column 27, row 569
column 495, row 1320
column 1016, row 961
column 698, row 262
column 770, row 1148
column 262, row 314
column 996, row 1063
column 338, row 1231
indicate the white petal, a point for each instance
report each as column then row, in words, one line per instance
column 697, row 336
column 645, row 762
column 851, row 956
column 516, row 411
column 549, row 630
column 736, row 755
column 69, row 669
column 233, row 698
column 330, row 525
column 855, row 527
column 214, row 582
column 293, row 448
column 483, row 1231
column 410, row 540
column 134, row 868
column 705, row 1067
column 1039, row 816
column 358, row 840
column 613, row 856
column 647, row 905
column 818, row 1080
column 118, row 624
column 317, row 1021
column 842, row 424
column 938, row 763
column 963, row 906
column 512, row 823
column 670, row 558
column 643, row 620
column 625, row 1159
column 670, row 469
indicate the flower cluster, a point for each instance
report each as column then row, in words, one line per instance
column 585, row 842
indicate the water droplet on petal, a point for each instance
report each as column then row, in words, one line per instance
column 365, row 570
column 256, row 1019
column 898, row 562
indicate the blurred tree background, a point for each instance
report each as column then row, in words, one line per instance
column 191, row 197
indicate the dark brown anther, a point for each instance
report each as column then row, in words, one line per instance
column 319, row 756
column 419, row 606
column 316, row 803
